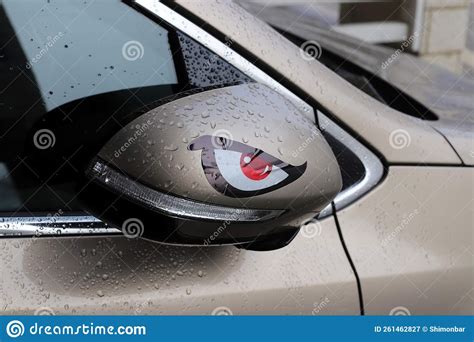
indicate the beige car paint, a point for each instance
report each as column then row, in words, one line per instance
column 460, row 135
column 441, row 269
column 119, row 276
column 373, row 121
column 411, row 240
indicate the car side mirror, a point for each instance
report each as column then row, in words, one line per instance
column 237, row 165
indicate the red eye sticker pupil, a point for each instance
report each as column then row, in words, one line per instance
column 253, row 167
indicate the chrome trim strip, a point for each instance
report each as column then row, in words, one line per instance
column 372, row 165
column 37, row 226
column 223, row 50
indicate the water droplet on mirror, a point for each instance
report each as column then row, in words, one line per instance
column 171, row 147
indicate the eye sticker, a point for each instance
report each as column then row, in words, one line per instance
column 239, row 170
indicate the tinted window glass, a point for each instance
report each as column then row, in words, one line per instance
column 204, row 68
column 369, row 83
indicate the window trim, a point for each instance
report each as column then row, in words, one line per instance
column 221, row 49
column 37, row 226
column 373, row 167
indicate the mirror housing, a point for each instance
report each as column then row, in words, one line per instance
column 236, row 165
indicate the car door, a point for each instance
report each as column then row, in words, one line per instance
column 73, row 74
column 411, row 237
column 416, row 224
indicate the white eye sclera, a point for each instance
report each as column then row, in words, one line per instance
column 230, row 166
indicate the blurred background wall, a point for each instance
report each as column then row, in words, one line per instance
column 439, row 31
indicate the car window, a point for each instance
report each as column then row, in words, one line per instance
column 370, row 83
column 71, row 74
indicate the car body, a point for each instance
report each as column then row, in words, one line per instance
column 396, row 240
